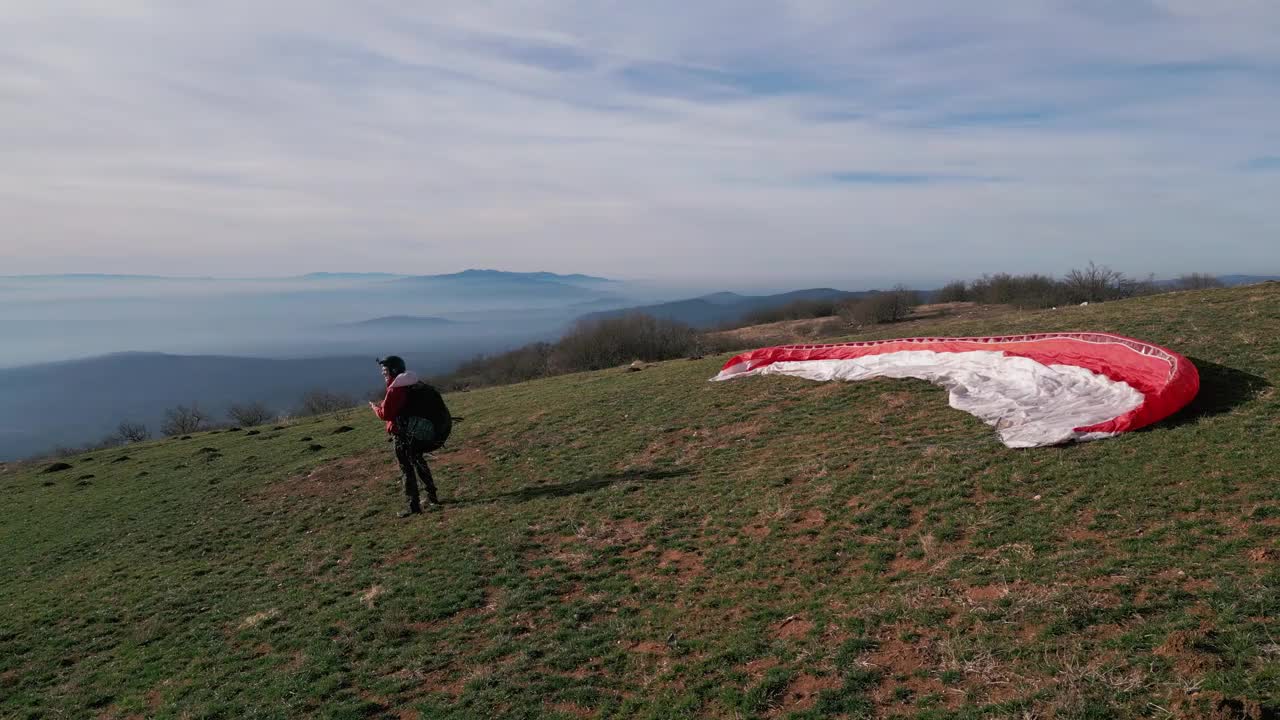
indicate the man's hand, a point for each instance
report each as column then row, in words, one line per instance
column 373, row 405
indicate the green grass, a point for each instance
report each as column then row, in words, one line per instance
column 651, row 545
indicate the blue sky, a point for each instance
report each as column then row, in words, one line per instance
column 784, row 143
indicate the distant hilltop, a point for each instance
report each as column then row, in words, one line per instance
column 469, row 274
column 503, row 275
column 400, row 321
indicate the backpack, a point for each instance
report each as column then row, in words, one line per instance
column 426, row 402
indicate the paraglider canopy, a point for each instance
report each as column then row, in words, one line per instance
column 1036, row 390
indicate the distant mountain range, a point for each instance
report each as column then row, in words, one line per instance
column 505, row 276
column 469, row 276
column 101, row 277
column 718, row 309
column 537, row 287
column 399, row 322
column 1234, row 280
column 347, row 276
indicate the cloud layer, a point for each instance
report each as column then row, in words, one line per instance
column 749, row 142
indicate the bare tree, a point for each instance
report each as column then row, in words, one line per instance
column 882, row 307
column 249, row 414
column 319, row 402
column 131, row 432
column 957, row 291
column 1197, row 281
column 1132, row 287
column 905, row 301
column 1095, row 283
column 106, row 443
column 1024, row 291
column 183, row 420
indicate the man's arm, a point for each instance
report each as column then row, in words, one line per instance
column 390, row 407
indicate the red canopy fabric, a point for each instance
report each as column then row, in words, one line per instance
column 1165, row 380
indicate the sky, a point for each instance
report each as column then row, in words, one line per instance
column 851, row 143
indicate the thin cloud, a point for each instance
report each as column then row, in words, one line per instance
column 247, row 139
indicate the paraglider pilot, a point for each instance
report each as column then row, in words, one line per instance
column 405, row 431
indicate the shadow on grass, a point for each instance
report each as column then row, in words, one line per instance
column 1222, row 389
column 576, row 487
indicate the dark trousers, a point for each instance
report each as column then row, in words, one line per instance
column 412, row 462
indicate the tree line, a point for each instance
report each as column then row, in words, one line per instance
column 602, row 343
column 1095, row 283
column 187, row 419
column 610, row 342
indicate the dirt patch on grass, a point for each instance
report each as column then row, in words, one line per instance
column 154, row 698
column 985, row 594
column 907, row 671
column 650, row 647
column 905, row 564
column 371, row 595
column 467, row 458
column 687, row 446
column 1261, row 555
column 1079, row 530
column 1214, row 705
column 357, row 474
column 627, row 531
column 792, row 628
column 686, row 564
column 257, row 619
column 802, row 693
column 895, row 656
column 439, row 681
column 811, row 519
column 408, row 554
column 666, row 448
column 569, row 708
column 758, row 667
column 459, row 617
column 1184, row 648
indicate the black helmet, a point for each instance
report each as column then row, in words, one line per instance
column 394, row 363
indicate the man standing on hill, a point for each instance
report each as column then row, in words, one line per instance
column 411, row 433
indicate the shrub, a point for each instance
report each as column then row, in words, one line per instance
column 1094, row 284
column 107, row 442
column 319, row 402
column 519, row 365
column 183, row 420
column 609, row 342
column 249, row 414
column 1023, row 291
column 794, row 310
column 131, row 432
column 1131, row 287
column 885, row 307
column 957, row 291
column 1197, row 281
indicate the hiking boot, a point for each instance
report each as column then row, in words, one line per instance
column 433, row 506
column 409, row 511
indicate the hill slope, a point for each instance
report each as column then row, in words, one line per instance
column 717, row 309
column 649, row 544
column 79, row 401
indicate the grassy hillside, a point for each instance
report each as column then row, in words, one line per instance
column 648, row 544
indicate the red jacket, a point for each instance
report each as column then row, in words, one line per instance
column 397, row 396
